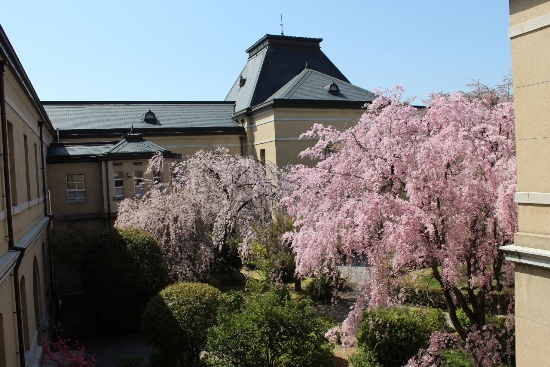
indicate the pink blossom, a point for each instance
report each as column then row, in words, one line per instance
column 409, row 189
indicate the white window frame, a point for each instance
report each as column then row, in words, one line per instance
column 138, row 183
column 118, row 182
column 76, row 189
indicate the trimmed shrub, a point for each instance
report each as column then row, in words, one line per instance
column 394, row 335
column 268, row 331
column 175, row 321
column 123, row 269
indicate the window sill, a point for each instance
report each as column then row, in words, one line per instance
column 75, row 201
column 118, row 198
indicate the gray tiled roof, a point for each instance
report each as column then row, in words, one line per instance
column 124, row 115
column 71, row 150
column 130, row 144
column 275, row 60
column 309, row 84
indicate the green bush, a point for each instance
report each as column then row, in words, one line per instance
column 394, row 335
column 268, row 331
column 363, row 359
column 175, row 321
column 456, row 358
column 123, row 269
column 426, row 297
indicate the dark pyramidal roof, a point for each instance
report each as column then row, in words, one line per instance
column 272, row 62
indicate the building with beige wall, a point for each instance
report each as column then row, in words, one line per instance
column 88, row 180
column 287, row 85
column 26, row 287
column 530, row 35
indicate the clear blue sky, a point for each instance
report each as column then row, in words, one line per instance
column 180, row 50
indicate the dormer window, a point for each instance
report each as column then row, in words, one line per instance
column 150, row 117
column 332, row 88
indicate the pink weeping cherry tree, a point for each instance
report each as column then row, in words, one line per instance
column 212, row 199
column 413, row 189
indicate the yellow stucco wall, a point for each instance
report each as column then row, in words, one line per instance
column 530, row 40
column 57, row 182
column 29, row 224
column 278, row 131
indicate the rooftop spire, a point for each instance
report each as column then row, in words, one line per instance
column 282, row 24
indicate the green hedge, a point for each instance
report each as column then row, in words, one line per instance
column 269, row 330
column 394, row 335
column 175, row 321
column 123, row 269
column 496, row 302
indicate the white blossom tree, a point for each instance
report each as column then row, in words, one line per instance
column 213, row 198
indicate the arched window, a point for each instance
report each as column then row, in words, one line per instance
column 24, row 313
column 36, row 292
column 2, row 343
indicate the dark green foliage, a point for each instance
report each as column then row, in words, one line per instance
column 456, row 358
column 363, row 359
column 427, row 297
column 394, row 335
column 159, row 359
column 321, row 289
column 421, row 295
column 68, row 247
column 130, row 361
column 270, row 254
column 268, row 331
column 123, row 269
column 175, row 321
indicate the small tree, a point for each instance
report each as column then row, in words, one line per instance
column 269, row 330
column 123, row 269
column 175, row 321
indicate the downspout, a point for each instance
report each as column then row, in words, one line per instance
column 11, row 245
column 46, row 201
column 40, row 127
column 5, row 155
column 108, row 194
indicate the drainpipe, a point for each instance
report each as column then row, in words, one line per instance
column 11, row 245
column 47, row 212
column 40, row 127
column 5, row 156
column 108, row 193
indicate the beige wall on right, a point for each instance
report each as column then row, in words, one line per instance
column 530, row 40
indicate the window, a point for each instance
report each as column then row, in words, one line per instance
column 262, row 155
column 157, row 177
column 138, row 183
column 119, row 183
column 36, row 171
column 76, row 186
column 11, row 153
column 27, row 168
